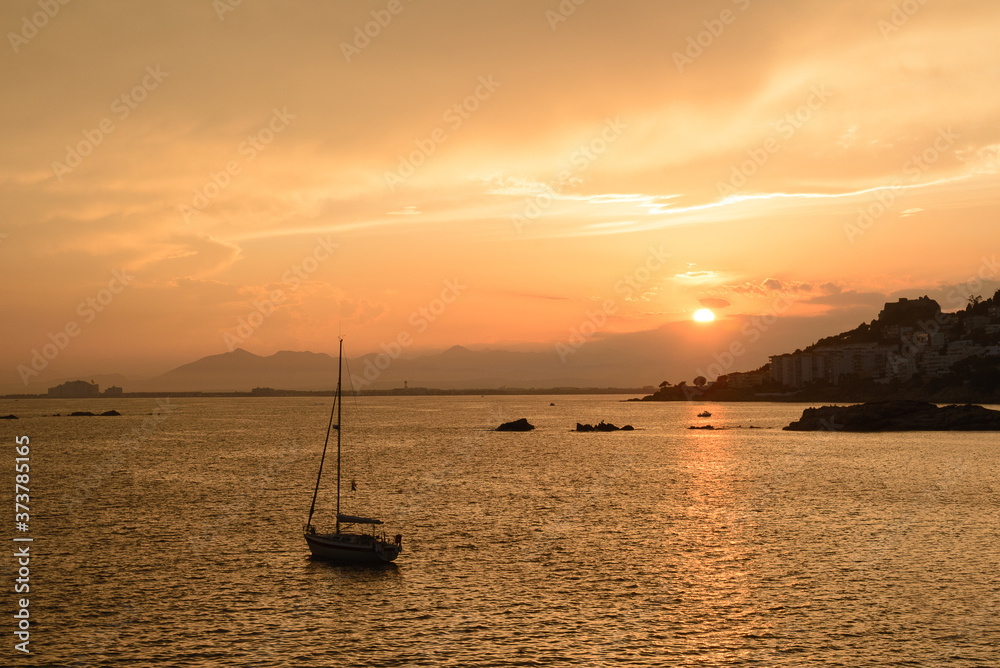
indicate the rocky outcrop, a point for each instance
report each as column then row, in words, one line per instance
column 602, row 426
column 897, row 416
column 516, row 425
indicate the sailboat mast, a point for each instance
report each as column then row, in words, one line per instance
column 335, row 407
column 340, row 375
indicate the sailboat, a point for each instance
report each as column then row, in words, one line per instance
column 360, row 546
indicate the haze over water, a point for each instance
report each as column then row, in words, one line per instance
column 180, row 543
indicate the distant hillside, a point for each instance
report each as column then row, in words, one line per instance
column 455, row 368
column 240, row 370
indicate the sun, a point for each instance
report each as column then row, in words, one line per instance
column 704, row 315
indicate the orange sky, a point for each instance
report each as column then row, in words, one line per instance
column 230, row 160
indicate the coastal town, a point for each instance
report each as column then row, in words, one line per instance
column 912, row 348
column 910, row 338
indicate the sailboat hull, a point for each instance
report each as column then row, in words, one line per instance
column 351, row 548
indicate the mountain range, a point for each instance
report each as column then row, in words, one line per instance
column 454, row 368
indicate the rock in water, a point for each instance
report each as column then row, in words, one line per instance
column 897, row 416
column 9, row 417
column 602, row 426
column 516, row 425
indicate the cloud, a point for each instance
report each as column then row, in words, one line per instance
column 184, row 255
column 516, row 186
column 696, row 277
column 830, row 288
column 850, row 298
column 714, row 302
column 539, row 296
column 362, row 310
column 786, row 286
column 769, row 286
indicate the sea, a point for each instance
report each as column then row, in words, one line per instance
column 171, row 535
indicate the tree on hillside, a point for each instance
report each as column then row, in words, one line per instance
column 974, row 301
column 700, row 381
column 665, row 383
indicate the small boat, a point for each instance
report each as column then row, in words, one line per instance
column 704, row 414
column 355, row 547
